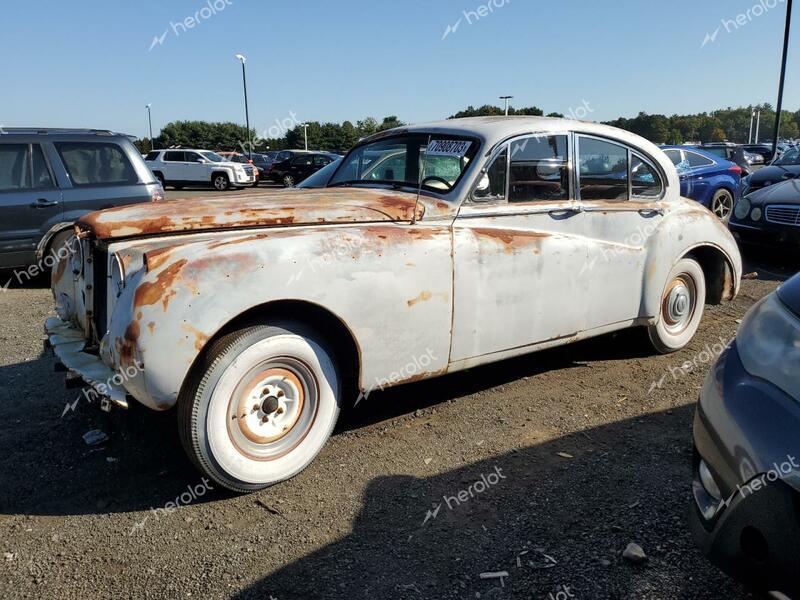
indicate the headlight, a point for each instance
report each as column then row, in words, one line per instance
column 742, row 208
column 117, row 275
column 769, row 344
column 76, row 259
column 756, row 214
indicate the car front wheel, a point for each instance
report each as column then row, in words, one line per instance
column 260, row 407
column 681, row 307
column 221, row 182
column 288, row 180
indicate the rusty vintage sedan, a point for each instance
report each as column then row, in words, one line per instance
column 433, row 248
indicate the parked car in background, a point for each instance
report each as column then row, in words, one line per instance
column 770, row 215
column 713, row 181
column 746, row 483
column 50, row 177
column 765, row 150
column 181, row 167
column 298, row 167
column 729, row 151
column 754, row 159
column 786, row 166
column 242, row 159
column 321, row 178
column 262, row 162
column 511, row 235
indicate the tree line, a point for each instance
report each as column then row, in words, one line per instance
column 732, row 124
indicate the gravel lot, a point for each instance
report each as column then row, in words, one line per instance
column 580, row 455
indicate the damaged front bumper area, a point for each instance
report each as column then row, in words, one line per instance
column 69, row 346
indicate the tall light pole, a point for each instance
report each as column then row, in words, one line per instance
column 506, row 98
column 752, row 118
column 783, row 76
column 150, row 124
column 758, row 125
column 305, row 134
column 243, row 59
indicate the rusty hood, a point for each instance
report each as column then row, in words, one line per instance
column 268, row 209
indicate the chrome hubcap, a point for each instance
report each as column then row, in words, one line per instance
column 723, row 206
column 679, row 304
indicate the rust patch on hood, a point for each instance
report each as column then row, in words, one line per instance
column 270, row 209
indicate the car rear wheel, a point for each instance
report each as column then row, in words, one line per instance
column 722, row 205
column 681, row 307
column 221, row 182
column 288, row 180
column 260, row 407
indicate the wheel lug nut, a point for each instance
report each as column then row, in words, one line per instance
column 265, row 419
column 279, row 411
column 280, row 394
column 256, row 407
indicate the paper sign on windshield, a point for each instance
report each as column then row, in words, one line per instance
column 448, row 148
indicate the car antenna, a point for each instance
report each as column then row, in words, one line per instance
column 421, row 179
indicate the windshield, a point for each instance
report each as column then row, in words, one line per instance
column 320, row 178
column 212, row 156
column 406, row 159
column 792, row 157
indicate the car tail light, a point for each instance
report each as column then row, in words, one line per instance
column 158, row 194
column 736, row 169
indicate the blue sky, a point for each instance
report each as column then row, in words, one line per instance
column 89, row 63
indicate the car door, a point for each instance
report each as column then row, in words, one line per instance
column 30, row 202
column 195, row 168
column 619, row 193
column 519, row 252
column 100, row 175
column 174, row 166
column 301, row 167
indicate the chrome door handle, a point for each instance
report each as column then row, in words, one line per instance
column 44, row 203
column 564, row 212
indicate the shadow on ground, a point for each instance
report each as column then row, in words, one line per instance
column 552, row 522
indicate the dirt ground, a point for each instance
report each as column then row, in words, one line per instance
column 580, row 451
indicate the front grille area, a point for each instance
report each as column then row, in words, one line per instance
column 248, row 169
column 784, row 214
column 100, row 286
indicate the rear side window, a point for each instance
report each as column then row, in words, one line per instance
column 14, row 167
column 23, row 169
column 174, row 157
column 539, row 169
column 695, row 160
column 302, row 161
column 603, row 170
column 96, row 163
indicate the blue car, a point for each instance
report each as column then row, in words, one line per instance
column 713, row 181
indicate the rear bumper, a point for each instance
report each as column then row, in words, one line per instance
column 68, row 344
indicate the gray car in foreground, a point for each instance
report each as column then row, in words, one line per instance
column 51, row 177
column 746, row 514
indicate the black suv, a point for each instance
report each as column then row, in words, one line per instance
column 298, row 166
column 50, row 177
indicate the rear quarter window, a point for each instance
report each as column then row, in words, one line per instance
column 96, row 163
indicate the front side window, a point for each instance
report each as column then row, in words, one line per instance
column 603, row 170
column 41, row 174
column 212, row 156
column 539, row 169
column 96, row 163
column 411, row 160
column 193, row 157
column 492, row 184
column 302, row 161
column 151, row 156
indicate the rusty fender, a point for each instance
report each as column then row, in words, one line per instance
column 390, row 284
column 686, row 226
